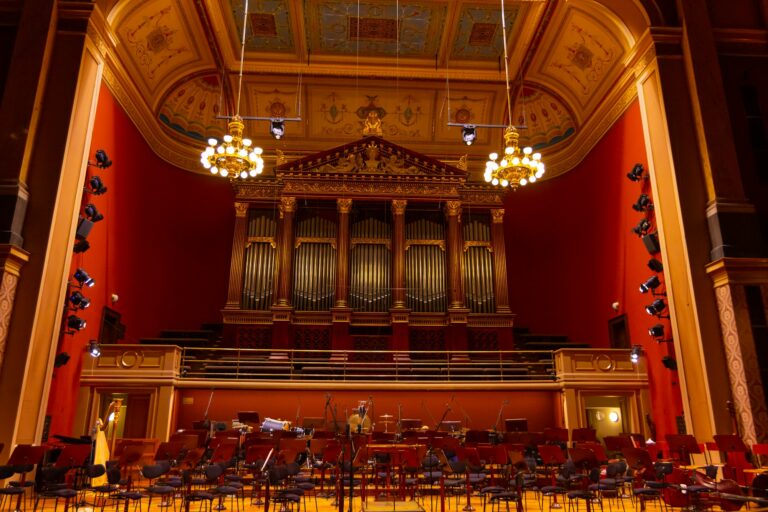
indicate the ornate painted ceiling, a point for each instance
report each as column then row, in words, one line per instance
column 173, row 65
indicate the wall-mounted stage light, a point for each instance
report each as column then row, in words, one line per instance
column 469, row 134
column 650, row 284
column 93, row 349
column 81, row 246
column 61, row 359
column 79, row 301
column 636, row 174
column 655, row 265
column 277, row 128
column 643, row 203
column 93, row 214
column 82, row 277
column 642, row 227
column 656, row 307
column 634, row 354
column 657, row 331
column 669, row 363
column 102, row 160
column 75, row 323
column 97, row 186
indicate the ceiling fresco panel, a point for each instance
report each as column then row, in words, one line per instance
column 546, row 119
column 157, row 42
column 191, row 109
column 583, row 59
column 373, row 28
column 268, row 25
column 339, row 113
column 479, row 32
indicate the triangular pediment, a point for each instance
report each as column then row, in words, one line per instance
column 371, row 156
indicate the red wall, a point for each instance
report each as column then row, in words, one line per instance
column 482, row 407
column 572, row 253
column 163, row 247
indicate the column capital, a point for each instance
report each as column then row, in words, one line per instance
column 241, row 209
column 287, row 205
column 398, row 206
column 452, row 208
column 344, row 205
column 497, row 215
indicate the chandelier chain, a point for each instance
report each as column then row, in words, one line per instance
column 242, row 58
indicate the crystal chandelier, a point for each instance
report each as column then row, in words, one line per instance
column 234, row 157
column 516, row 167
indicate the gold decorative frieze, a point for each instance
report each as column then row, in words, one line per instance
column 371, row 241
column 477, row 243
column 314, row 240
column 439, row 243
column 261, row 240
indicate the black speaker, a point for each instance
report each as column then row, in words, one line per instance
column 61, row 359
column 669, row 363
column 651, row 241
column 83, row 228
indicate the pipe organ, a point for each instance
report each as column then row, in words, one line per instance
column 368, row 245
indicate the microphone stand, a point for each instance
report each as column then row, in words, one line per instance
column 495, row 427
column 265, row 475
column 445, row 413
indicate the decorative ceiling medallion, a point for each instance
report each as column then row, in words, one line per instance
column 269, row 25
column 478, row 35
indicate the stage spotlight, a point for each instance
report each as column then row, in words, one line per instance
column 82, row 277
column 60, row 360
column 669, row 363
column 636, row 174
column 634, row 355
column 97, row 186
column 469, row 134
column 102, row 160
column 277, row 128
column 75, row 323
column 655, row 308
column 642, row 227
column 657, row 331
column 655, row 265
column 93, row 349
column 79, row 301
column 642, row 204
column 650, row 284
column 93, row 214
column 81, row 246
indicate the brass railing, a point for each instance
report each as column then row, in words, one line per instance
column 366, row 365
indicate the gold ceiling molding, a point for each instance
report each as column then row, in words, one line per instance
column 585, row 42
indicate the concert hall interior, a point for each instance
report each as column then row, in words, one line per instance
column 380, row 268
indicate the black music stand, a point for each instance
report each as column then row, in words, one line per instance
column 450, row 426
column 683, row 445
column 617, row 444
column 583, row 435
column 516, row 425
column 250, row 418
column 556, row 435
column 730, row 443
column 73, row 456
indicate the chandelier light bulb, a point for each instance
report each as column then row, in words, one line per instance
column 212, row 141
column 247, row 142
column 224, row 173
column 227, row 138
column 493, row 156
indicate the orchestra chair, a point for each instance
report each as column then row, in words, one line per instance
column 152, row 473
column 22, row 461
column 214, row 475
column 643, row 470
column 190, row 495
column 130, row 455
column 609, row 487
column 102, row 493
column 56, row 481
column 303, row 486
column 553, row 459
column 585, row 461
column 496, row 460
column 282, row 496
column 9, row 494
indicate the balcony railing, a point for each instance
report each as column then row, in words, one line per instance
column 366, row 365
